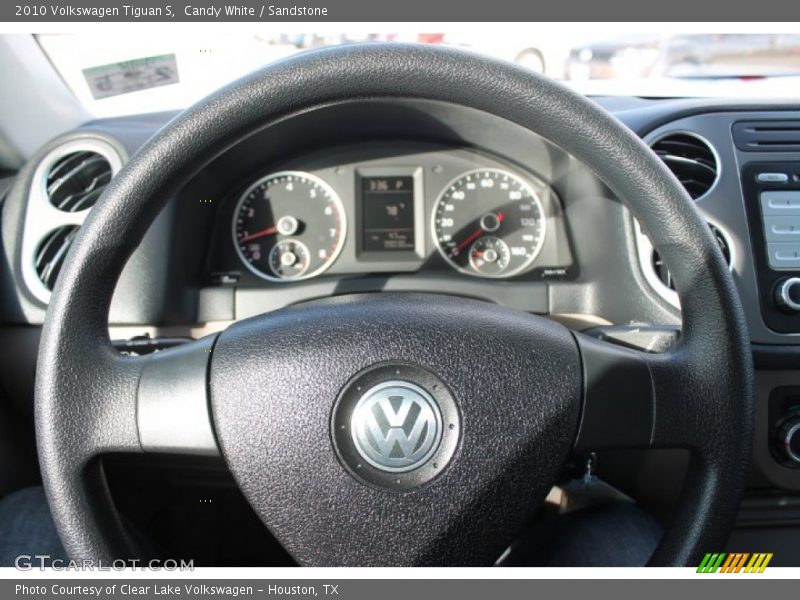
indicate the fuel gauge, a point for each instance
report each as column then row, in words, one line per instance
column 489, row 256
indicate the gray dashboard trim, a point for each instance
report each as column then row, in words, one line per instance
column 526, row 296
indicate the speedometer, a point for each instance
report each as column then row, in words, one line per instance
column 289, row 226
column 489, row 223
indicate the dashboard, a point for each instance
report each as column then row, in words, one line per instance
column 387, row 195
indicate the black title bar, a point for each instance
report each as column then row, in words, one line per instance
column 440, row 11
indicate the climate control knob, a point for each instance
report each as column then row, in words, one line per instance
column 787, row 294
column 789, row 440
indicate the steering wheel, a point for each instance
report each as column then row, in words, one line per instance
column 394, row 429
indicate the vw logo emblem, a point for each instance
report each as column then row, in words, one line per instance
column 396, row 426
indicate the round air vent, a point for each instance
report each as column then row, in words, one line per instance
column 663, row 273
column 75, row 181
column 66, row 184
column 691, row 159
column 51, row 252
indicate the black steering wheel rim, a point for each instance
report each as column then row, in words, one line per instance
column 83, row 385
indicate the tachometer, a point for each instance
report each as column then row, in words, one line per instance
column 489, row 223
column 289, row 226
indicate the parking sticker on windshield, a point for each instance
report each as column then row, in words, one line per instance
column 129, row 76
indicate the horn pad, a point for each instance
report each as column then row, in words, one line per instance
column 294, row 426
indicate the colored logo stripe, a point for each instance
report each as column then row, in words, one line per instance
column 734, row 562
column 758, row 563
column 711, row 563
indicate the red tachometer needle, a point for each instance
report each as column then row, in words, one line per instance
column 259, row 234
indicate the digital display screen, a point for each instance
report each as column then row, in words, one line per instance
column 387, row 210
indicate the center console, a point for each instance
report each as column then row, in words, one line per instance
column 772, row 200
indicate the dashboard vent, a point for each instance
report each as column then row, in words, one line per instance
column 767, row 136
column 75, row 181
column 663, row 273
column 691, row 159
column 51, row 252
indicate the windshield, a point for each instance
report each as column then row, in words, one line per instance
column 131, row 73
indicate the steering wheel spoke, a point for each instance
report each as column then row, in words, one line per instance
column 636, row 399
column 173, row 413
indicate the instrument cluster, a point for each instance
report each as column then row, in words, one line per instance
column 411, row 212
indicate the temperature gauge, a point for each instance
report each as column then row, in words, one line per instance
column 289, row 259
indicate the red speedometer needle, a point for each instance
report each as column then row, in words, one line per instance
column 259, row 234
column 472, row 237
column 478, row 233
